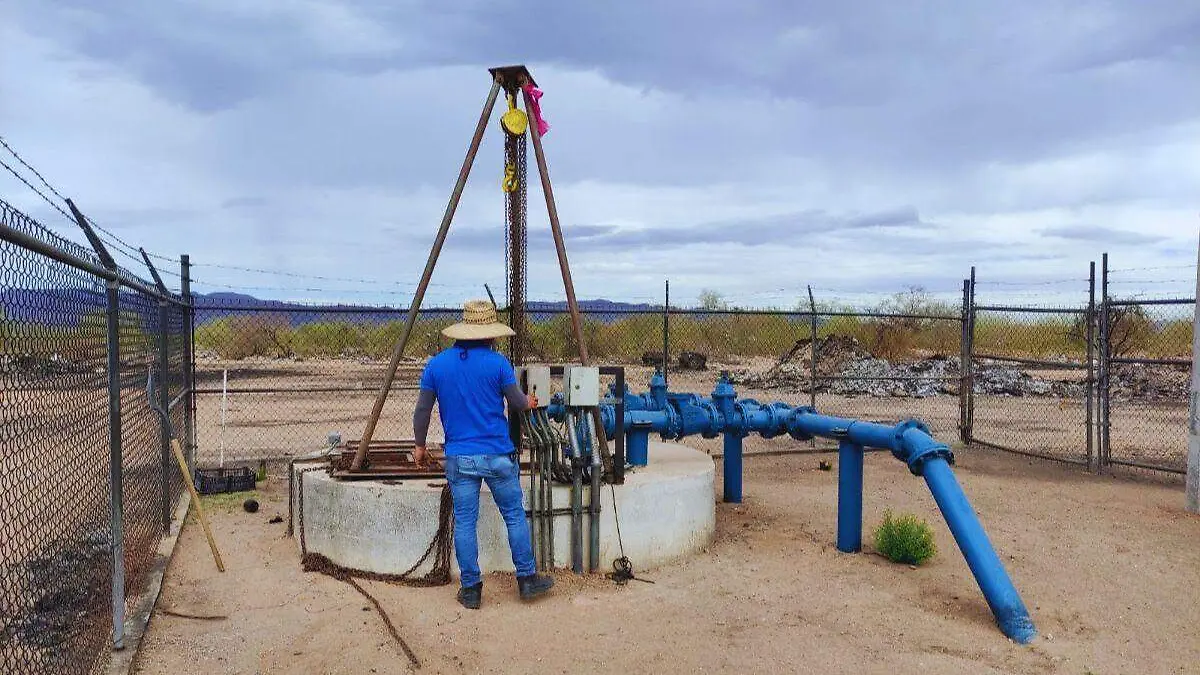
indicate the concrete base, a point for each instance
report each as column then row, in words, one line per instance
column 667, row 510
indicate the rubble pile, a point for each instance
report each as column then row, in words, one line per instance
column 1152, row 382
column 846, row 368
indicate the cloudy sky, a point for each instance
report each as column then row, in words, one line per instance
column 750, row 147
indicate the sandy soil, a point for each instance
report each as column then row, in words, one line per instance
column 1108, row 567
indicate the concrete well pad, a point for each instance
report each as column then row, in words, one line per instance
column 667, row 511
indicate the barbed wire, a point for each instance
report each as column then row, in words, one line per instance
column 41, row 194
column 112, row 238
column 1153, row 269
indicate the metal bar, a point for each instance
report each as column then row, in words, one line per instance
column 158, row 282
column 812, row 348
column 576, row 495
column 666, row 360
column 564, row 266
column 1105, row 355
column 1031, row 310
column 964, row 357
column 1093, row 464
column 1167, row 301
column 101, row 250
column 315, row 309
column 970, row 364
column 1151, row 467
column 116, row 481
column 1152, row 362
column 164, row 424
column 1027, row 453
column 594, row 509
column 40, row 247
column 1033, row 362
column 189, row 355
column 178, row 399
column 438, row 241
column 850, row 497
column 308, row 390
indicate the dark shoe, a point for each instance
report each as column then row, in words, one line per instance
column 533, row 585
column 471, row 596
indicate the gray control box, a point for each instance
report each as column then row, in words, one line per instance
column 582, row 385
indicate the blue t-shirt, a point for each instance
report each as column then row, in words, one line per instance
column 469, row 384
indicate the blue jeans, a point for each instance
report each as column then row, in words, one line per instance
column 465, row 473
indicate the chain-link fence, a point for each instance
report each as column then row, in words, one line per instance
column 78, row 337
column 273, row 379
column 1033, row 373
column 1145, row 377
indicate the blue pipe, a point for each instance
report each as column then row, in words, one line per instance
column 677, row 415
column 1002, row 597
column 850, row 497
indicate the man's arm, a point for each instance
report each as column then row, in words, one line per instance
column 518, row 402
column 422, row 416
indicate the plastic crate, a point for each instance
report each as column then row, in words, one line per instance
column 216, row 481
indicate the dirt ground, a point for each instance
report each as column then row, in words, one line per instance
column 1109, row 568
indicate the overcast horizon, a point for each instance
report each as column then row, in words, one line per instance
column 754, row 149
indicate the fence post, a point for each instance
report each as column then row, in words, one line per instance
column 964, row 357
column 164, row 400
column 116, row 480
column 970, row 366
column 189, row 357
column 666, row 358
column 1193, row 464
column 1103, row 393
column 812, row 350
column 1090, row 387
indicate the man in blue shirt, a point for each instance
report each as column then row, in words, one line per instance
column 470, row 383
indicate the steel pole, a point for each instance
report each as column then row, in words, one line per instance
column 189, row 365
column 565, row 267
column 1193, row 465
column 1090, row 388
column 411, row 319
column 164, row 399
column 115, row 469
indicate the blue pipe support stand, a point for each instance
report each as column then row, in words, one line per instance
column 850, row 497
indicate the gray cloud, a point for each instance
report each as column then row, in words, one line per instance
column 1101, row 235
column 870, row 141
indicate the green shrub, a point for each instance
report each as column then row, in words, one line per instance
column 906, row 539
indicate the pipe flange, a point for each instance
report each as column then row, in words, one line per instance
column 916, row 458
column 795, row 431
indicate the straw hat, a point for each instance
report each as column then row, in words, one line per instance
column 479, row 323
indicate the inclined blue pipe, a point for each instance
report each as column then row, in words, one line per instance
column 850, row 497
column 1002, row 597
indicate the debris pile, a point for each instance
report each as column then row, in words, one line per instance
column 846, row 368
column 65, row 590
column 1152, row 382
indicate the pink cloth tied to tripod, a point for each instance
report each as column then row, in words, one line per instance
column 535, row 109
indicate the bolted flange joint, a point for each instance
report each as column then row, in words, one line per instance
column 795, row 430
column 914, row 446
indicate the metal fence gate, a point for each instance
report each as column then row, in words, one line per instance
column 1145, row 377
column 87, row 489
column 1031, row 383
